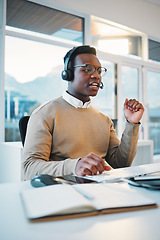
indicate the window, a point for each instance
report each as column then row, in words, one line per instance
column 130, row 84
column 114, row 39
column 36, row 18
column 105, row 100
column 33, row 59
column 153, row 99
column 154, row 50
column 32, row 77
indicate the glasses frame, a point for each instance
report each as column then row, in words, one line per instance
column 95, row 69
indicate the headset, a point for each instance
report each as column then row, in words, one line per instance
column 68, row 74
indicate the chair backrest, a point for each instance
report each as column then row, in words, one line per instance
column 114, row 122
column 23, row 128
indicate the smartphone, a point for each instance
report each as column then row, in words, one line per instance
column 77, row 179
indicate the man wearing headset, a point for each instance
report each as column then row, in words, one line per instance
column 69, row 136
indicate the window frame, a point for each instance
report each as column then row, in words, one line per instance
column 143, row 64
column 2, row 47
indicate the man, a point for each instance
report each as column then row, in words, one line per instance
column 68, row 135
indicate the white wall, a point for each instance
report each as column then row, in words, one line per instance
column 140, row 15
column 10, row 162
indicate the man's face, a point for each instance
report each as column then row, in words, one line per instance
column 85, row 85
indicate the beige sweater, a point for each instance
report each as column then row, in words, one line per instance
column 58, row 134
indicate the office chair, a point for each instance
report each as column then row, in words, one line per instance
column 114, row 122
column 23, row 128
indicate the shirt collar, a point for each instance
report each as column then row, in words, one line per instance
column 75, row 102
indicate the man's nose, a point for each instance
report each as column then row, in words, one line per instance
column 95, row 74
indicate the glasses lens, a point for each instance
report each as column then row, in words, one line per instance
column 89, row 69
column 101, row 71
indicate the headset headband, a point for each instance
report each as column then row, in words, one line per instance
column 69, row 58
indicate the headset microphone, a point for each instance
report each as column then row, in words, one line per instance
column 101, row 85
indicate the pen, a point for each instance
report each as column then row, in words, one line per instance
column 86, row 195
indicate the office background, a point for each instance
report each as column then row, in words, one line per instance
column 34, row 37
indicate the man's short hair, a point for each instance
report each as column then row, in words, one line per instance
column 71, row 54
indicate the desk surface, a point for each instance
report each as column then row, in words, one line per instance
column 136, row 225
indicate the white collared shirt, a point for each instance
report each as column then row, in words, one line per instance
column 74, row 101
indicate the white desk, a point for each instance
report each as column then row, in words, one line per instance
column 137, row 225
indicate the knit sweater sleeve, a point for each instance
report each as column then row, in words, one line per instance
column 121, row 153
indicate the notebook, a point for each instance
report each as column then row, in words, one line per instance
column 68, row 201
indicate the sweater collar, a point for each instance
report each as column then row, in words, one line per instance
column 74, row 101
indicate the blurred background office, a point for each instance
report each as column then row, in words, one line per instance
column 36, row 34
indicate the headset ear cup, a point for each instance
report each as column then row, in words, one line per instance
column 64, row 75
column 67, row 75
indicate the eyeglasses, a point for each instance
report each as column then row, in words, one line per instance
column 89, row 68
